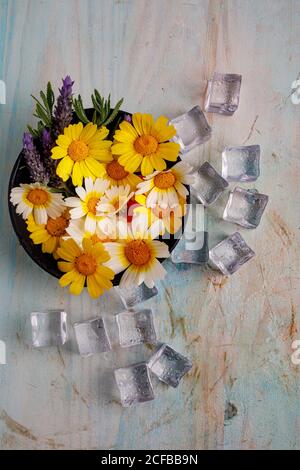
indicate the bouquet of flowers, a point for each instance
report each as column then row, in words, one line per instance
column 104, row 186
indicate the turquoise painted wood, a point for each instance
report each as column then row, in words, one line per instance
column 158, row 54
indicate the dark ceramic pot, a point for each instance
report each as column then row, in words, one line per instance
column 20, row 175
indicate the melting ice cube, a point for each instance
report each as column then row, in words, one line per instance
column 169, row 365
column 230, row 254
column 245, row 207
column 134, row 384
column 223, row 93
column 241, row 163
column 192, row 129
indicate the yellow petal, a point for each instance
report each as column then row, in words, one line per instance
column 93, row 287
column 69, row 277
column 146, row 166
column 77, row 286
column 162, row 131
column 119, row 149
column 58, row 152
column 147, row 123
column 168, row 151
column 158, row 163
column 63, row 141
column 76, row 130
column 137, row 123
column 65, row 266
column 49, row 246
column 95, row 167
column 128, row 129
column 88, row 132
column 64, row 168
column 102, row 281
column 77, row 175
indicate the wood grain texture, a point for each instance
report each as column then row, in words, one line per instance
column 238, row 331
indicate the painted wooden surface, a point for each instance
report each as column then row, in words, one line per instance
column 238, row 331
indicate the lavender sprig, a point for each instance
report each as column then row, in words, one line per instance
column 37, row 169
column 47, row 142
column 63, row 110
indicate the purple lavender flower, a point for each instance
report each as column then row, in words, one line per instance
column 47, row 143
column 63, row 110
column 37, row 169
column 127, row 118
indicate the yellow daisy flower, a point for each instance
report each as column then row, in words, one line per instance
column 164, row 188
column 116, row 174
column 86, row 204
column 137, row 254
column 84, row 265
column 145, row 143
column 38, row 200
column 49, row 234
column 80, row 150
column 171, row 219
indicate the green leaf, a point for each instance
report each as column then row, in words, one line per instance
column 79, row 109
column 50, row 96
column 114, row 113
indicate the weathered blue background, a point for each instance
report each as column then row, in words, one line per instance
column 158, row 54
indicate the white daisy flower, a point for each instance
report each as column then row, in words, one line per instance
column 137, row 254
column 114, row 200
column 165, row 188
column 84, row 206
column 104, row 233
column 38, row 200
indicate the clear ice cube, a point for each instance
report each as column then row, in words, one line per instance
column 133, row 296
column 91, row 337
column 230, row 254
column 241, row 163
column 192, row 129
column 223, row 93
column 134, row 384
column 208, row 185
column 136, row 327
column 48, row 328
column 169, row 365
column 245, row 207
column 192, row 248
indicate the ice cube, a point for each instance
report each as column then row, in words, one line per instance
column 133, row 296
column 136, row 327
column 91, row 337
column 192, row 129
column 48, row 328
column 191, row 250
column 134, row 384
column 241, row 163
column 169, row 365
column 223, row 93
column 245, row 207
column 208, row 185
column 230, row 254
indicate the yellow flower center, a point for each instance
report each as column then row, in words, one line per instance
column 164, row 180
column 138, row 252
column 78, row 150
column 57, row 227
column 86, row 264
column 37, row 196
column 92, row 204
column 146, row 144
column 116, row 171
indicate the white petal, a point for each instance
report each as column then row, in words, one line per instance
column 89, row 185
column 81, row 192
column 139, row 226
column 73, row 202
column 40, row 215
column 161, row 248
column 90, row 224
column 77, row 212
